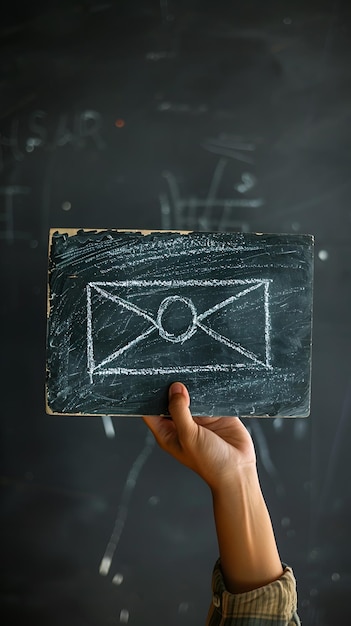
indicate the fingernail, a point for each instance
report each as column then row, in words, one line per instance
column 175, row 388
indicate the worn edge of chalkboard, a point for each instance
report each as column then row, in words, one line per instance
column 74, row 231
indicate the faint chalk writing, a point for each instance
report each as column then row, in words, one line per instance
column 231, row 146
column 210, row 213
column 36, row 133
column 181, row 107
column 123, row 507
column 11, row 142
column 213, row 212
column 160, row 54
column 9, row 193
column 249, row 181
column 165, row 14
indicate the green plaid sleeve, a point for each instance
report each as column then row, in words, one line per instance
column 271, row 605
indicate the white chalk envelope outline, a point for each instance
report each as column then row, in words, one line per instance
column 249, row 285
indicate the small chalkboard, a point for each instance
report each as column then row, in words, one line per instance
column 228, row 314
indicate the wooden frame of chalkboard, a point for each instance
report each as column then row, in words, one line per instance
column 228, row 314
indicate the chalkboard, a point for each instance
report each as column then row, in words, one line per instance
column 228, row 314
column 197, row 116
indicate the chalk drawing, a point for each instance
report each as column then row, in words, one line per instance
column 123, row 507
column 102, row 289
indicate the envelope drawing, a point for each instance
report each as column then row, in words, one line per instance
column 148, row 327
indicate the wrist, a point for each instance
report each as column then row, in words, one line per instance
column 241, row 479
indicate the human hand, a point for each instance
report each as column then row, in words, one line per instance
column 214, row 447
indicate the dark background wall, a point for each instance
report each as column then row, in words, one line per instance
column 168, row 114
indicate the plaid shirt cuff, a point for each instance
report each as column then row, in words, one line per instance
column 271, row 605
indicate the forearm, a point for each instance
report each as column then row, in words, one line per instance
column 247, row 546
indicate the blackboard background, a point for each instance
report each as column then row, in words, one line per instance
column 147, row 114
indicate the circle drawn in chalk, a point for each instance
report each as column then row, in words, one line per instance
column 191, row 328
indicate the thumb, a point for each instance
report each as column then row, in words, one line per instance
column 178, row 406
